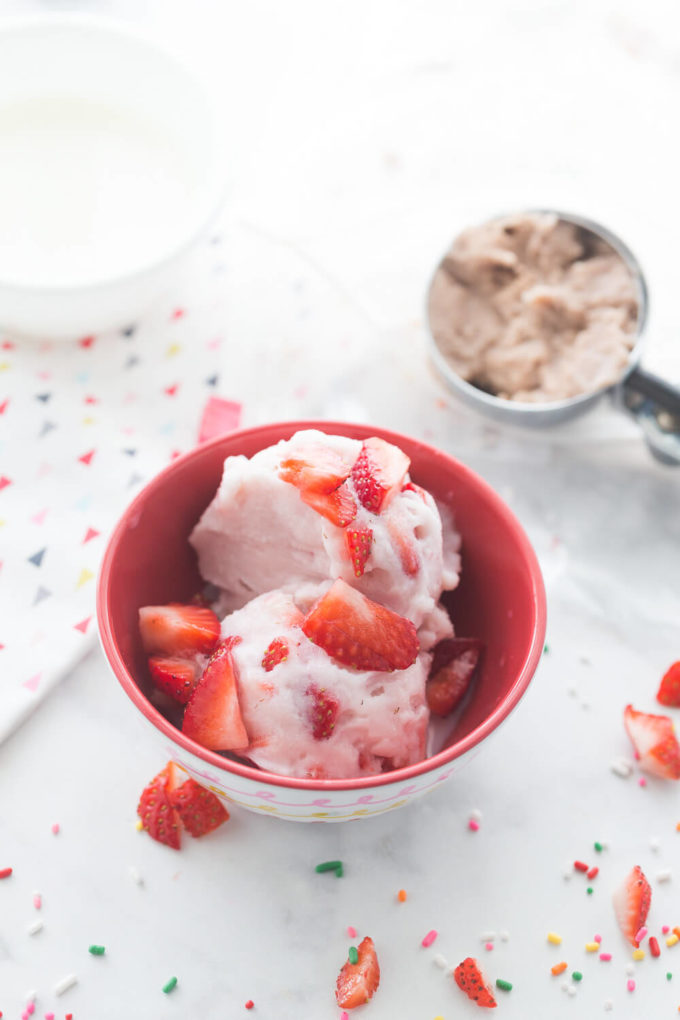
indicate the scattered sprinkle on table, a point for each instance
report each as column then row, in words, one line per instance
column 654, row 946
column 630, row 969
column 621, row 767
column 344, row 1015
column 35, row 927
column 504, row 935
column 672, row 940
column 592, row 947
column 593, row 873
column 668, row 975
column 642, row 781
column 440, row 961
column 135, row 875
column 401, row 896
column 608, row 1005
column 170, row 985
column 37, row 900
column 505, row 986
column 488, row 936
column 605, row 957
column 66, row 982
column 580, row 866
column 96, row 950
column 589, row 890
column 139, row 825
column 335, row 866
column 597, row 938
column 473, row 825
column 554, row 938
column 488, row 946
column 49, row 1016
column 56, row 828
column 353, row 955
column 5, row 872
column 352, row 932
column 558, row 968
column 598, row 847
column 665, row 929
column 250, row 1004
column 638, row 954
column 664, row 875
column 576, row 975
column 429, row 938
column 630, row 985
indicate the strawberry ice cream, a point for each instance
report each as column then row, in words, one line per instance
column 306, row 510
column 307, row 714
column 334, row 649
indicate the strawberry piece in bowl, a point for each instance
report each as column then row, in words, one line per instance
column 655, row 743
column 358, row 982
column 178, row 630
column 174, row 676
column 378, row 473
column 360, row 633
column 454, row 662
column 212, row 716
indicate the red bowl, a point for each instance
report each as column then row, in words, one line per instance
column 500, row 599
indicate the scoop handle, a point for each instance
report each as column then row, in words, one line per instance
column 661, row 392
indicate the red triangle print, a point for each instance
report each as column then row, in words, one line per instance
column 171, row 390
column 7, row 345
column 87, row 457
column 4, row 482
column 32, row 683
column 89, row 534
column 39, row 518
column 91, row 400
column 3, row 406
column 87, row 341
column 178, row 313
column 83, row 625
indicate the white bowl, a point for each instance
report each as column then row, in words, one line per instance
column 111, row 167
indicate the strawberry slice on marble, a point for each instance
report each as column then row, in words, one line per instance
column 178, row 630
column 632, row 901
column 358, row 982
column 470, row 979
column 158, row 815
column 655, row 743
column 360, row 633
column 378, row 473
column 454, row 662
column 200, row 811
column 212, row 716
column 669, row 688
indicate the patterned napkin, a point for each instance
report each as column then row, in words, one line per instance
column 82, row 426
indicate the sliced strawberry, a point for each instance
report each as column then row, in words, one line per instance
column 412, row 487
column 276, row 652
column 378, row 473
column 321, row 470
column 175, row 677
column 159, row 817
column 408, row 557
column 199, row 809
column 655, row 743
column 338, row 507
column 453, row 664
column 212, row 716
column 323, row 712
column 359, row 541
column 360, row 633
column 357, row 982
column 178, row 629
column 669, row 689
column 469, row 978
column 631, row 904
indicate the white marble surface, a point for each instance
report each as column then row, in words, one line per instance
column 364, row 136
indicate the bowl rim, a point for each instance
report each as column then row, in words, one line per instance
column 201, row 213
column 262, row 776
